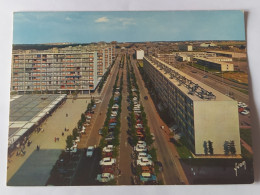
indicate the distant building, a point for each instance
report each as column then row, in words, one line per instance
column 184, row 57
column 215, row 64
column 208, row 44
column 228, row 54
column 185, row 48
column 139, row 54
column 201, row 113
column 166, row 57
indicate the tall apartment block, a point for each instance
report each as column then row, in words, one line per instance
column 67, row 69
column 201, row 113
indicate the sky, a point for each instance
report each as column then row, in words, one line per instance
column 86, row 27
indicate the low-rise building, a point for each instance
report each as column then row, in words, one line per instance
column 215, row 64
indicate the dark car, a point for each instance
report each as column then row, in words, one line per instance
column 146, row 97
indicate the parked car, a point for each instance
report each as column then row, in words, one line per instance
column 72, row 150
column 110, row 136
column 100, row 131
column 141, row 143
column 144, row 162
column 108, row 148
column 77, row 139
column 108, row 169
column 147, row 169
column 98, row 101
column 139, row 126
column 140, row 148
column 146, row 177
column 143, row 155
column 107, row 161
column 90, row 151
column 115, row 106
column 245, row 112
column 146, row 97
column 105, row 177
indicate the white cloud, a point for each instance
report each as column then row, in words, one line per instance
column 102, row 19
column 68, row 19
column 127, row 21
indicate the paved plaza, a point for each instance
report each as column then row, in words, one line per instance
column 34, row 167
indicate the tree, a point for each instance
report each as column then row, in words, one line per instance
column 226, row 147
column 210, row 146
column 75, row 133
column 153, row 154
column 232, row 147
column 102, row 142
column 205, row 146
column 69, row 143
column 83, row 118
column 149, row 139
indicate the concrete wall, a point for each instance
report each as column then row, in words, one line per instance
column 218, row 122
column 139, row 54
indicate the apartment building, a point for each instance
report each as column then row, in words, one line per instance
column 66, row 69
column 169, row 58
column 201, row 113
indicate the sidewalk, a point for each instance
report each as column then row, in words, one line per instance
column 34, row 167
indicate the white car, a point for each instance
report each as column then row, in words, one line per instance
column 143, row 155
column 107, row 161
column 241, row 104
column 140, row 148
column 90, row 151
column 115, row 106
column 108, row 148
column 77, row 139
column 139, row 126
column 141, row 143
column 245, row 112
column 72, row 150
column 144, row 162
column 105, row 177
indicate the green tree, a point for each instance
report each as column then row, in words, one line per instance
column 69, row 143
column 205, row 146
column 75, row 133
column 226, row 147
column 152, row 152
column 83, row 118
column 232, row 147
column 210, row 145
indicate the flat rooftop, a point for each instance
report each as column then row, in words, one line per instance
column 27, row 110
column 219, row 96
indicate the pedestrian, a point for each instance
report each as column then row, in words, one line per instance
column 58, row 139
column 54, row 139
column 62, row 134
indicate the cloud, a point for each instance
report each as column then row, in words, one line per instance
column 127, row 21
column 68, row 19
column 102, row 19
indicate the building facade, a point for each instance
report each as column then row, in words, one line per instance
column 66, row 69
column 215, row 63
column 201, row 113
column 139, row 54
